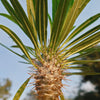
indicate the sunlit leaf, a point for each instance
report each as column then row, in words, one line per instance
column 71, row 18
column 17, row 41
column 86, row 52
column 31, row 14
column 61, row 13
column 84, row 25
column 41, row 20
column 21, row 90
column 90, row 41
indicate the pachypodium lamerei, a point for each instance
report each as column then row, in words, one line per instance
column 51, row 59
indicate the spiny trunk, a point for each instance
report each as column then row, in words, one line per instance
column 48, row 80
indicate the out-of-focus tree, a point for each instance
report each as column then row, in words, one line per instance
column 5, row 86
column 31, row 96
column 94, row 79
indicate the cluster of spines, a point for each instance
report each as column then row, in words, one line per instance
column 48, row 78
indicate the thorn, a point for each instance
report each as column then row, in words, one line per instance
column 65, row 85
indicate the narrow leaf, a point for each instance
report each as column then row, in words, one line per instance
column 86, row 52
column 82, row 37
column 9, row 17
column 62, row 10
column 55, row 4
column 50, row 21
column 21, row 90
column 41, row 20
column 17, row 41
column 85, row 61
column 90, row 41
column 31, row 14
column 25, row 22
column 82, row 73
column 71, row 18
column 29, row 49
column 84, row 25
column 24, row 57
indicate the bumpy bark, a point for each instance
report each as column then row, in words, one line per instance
column 48, row 80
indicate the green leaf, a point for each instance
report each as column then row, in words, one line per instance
column 31, row 14
column 41, row 20
column 85, row 35
column 22, row 56
column 82, row 37
column 8, row 7
column 86, row 52
column 24, row 62
column 85, row 44
column 9, row 17
column 82, row 73
column 11, row 11
column 29, row 49
column 19, row 15
column 77, row 68
column 31, row 9
column 21, row 90
column 17, row 41
column 61, row 13
column 25, row 22
column 85, row 61
column 71, row 18
column 50, row 21
column 55, row 4
column 62, row 97
column 84, row 25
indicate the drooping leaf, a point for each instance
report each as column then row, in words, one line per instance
column 19, row 15
column 22, row 56
column 8, row 16
column 29, row 49
column 17, row 41
column 21, row 90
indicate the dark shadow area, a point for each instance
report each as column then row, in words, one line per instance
column 93, row 79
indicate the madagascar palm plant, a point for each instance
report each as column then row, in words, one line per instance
column 51, row 59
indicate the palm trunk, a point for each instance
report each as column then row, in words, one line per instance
column 48, row 81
